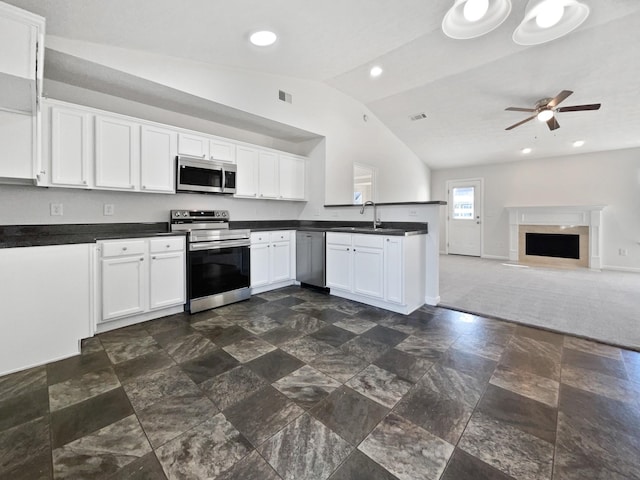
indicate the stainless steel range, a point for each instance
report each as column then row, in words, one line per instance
column 218, row 266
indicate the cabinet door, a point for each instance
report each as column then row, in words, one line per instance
column 166, row 280
column 393, row 270
column 70, row 153
column 339, row 266
column 247, row 172
column 157, row 159
column 268, row 175
column 260, row 264
column 280, row 261
column 123, row 286
column 117, row 153
column 222, row 151
column 193, row 145
column 292, row 178
column 368, row 269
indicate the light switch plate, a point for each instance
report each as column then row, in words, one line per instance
column 108, row 209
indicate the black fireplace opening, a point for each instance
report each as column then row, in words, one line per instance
column 556, row 245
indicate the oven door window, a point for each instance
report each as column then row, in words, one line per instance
column 218, row 270
column 201, row 177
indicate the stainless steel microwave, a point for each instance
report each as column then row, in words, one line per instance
column 204, row 176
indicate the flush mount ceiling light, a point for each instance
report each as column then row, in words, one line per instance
column 472, row 18
column 375, row 71
column 578, row 143
column 526, row 151
column 546, row 20
column 263, row 38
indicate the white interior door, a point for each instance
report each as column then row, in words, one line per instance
column 464, row 219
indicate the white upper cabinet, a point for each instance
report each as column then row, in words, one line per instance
column 117, row 153
column 70, row 149
column 84, row 147
column 247, row 174
column 21, row 58
column 193, row 145
column 268, row 175
column 222, row 150
column 158, row 150
column 291, row 173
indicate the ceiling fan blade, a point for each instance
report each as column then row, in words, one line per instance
column 579, row 108
column 559, row 98
column 552, row 123
column 520, row 123
column 518, row 109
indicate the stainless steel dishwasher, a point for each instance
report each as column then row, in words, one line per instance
column 310, row 257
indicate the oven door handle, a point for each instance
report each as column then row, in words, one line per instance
column 194, row 247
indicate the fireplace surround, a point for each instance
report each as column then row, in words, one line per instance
column 581, row 220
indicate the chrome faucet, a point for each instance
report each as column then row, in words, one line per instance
column 376, row 220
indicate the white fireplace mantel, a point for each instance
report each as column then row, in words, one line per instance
column 567, row 215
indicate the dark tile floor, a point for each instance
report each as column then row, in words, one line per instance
column 294, row 384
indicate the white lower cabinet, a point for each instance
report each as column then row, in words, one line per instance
column 139, row 280
column 383, row 271
column 272, row 260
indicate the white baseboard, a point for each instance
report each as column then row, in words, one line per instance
column 494, row 257
column 621, row 269
column 433, row 301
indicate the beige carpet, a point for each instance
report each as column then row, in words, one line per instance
column 603, row 305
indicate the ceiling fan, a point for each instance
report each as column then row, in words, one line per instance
column 546, row 107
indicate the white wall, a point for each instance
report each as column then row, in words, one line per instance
column 604, row 178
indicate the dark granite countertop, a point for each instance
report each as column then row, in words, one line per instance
column 387, row 228
column 72, row 233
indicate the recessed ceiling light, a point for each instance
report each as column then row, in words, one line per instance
column 526, row 151
column 578, row 143
column 472, row 18
column 263, row 38
column 474, row 10
column 546, row 20
column 375, row 71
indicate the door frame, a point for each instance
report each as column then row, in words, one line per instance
column 449, row 206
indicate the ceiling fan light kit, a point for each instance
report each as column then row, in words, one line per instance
column 473, row 18
column 544, row 20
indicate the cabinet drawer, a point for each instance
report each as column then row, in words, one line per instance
column 371, row 241
column 166, row 244
column 123, row 248
column 259, row 237
column 339, row 238
column 280, row 236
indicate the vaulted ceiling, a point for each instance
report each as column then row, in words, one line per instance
column 463, row 86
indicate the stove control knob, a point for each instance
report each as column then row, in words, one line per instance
column 224, row 214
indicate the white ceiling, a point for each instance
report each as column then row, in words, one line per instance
column 463, row 86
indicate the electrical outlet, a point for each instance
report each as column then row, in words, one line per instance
column 108, row 209
column 413, row 212
column 56, row 209
column 623, row 252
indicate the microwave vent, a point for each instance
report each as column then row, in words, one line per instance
column 284, row 96
column 418, row 116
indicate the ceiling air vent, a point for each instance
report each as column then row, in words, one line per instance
column 284, row 96
column 419, row 116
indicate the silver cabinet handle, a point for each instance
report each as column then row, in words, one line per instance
column 84, row 182
column 124, row 249
column 152, row 258
column 144, row 187
column 169, row 246
column 142, row 259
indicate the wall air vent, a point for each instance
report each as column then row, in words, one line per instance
column 284, row 96
column 419, row 116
